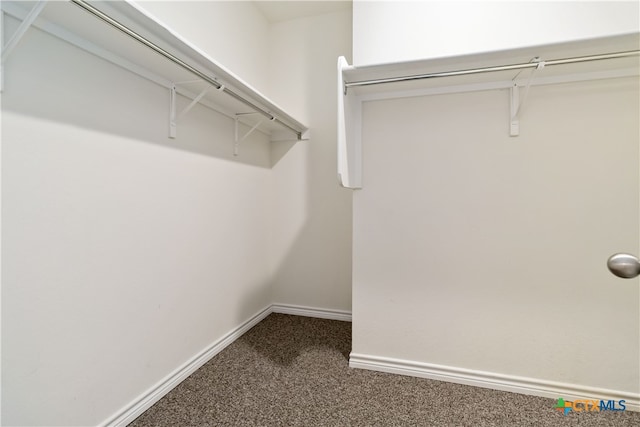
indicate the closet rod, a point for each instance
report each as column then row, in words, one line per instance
column 533, row 64
column 106, row 18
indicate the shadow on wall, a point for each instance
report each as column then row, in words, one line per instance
column 51, row 79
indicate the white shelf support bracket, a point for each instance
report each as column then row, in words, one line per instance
column 194, row 102
column 173, row 115
column 237, row 139
column 17, row 36
column 514, row 123
column 172, row 111
column 22, row 29
column 517, row 102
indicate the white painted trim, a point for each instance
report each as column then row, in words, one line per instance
column 349, row 130
column 143, row 402
column 130, row 412
column 322, row 313
column 491, row 380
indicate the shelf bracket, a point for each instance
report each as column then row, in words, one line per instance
column 172, row 111
column 517, row 102
column 194, row 102
column 173, row 116
column 237, row 138
column 22, row 29
column 514, row 125
column 19, row 33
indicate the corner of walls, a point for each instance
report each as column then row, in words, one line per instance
column 112, row 247
column 310, row 214
column 143, row 402
column 311, row 229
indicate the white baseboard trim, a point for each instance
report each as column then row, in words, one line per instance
column 522, row 385
column 322, row 313
column 130, row 412
column 143, row 402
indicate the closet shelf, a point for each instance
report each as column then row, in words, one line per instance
column 546, row 53
column 508, row 69
column 145, row 46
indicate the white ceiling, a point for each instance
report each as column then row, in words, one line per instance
column 284, row 10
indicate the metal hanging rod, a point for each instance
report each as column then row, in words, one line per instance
column 109, row 20
column 534, row 64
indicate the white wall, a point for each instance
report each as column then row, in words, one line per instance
column 478, row 251
column 293, row 63
column 311, row 233
column 234, row 33
column 392, row 31
column 125, row 253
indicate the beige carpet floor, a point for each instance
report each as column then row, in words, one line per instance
column 293, row 371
